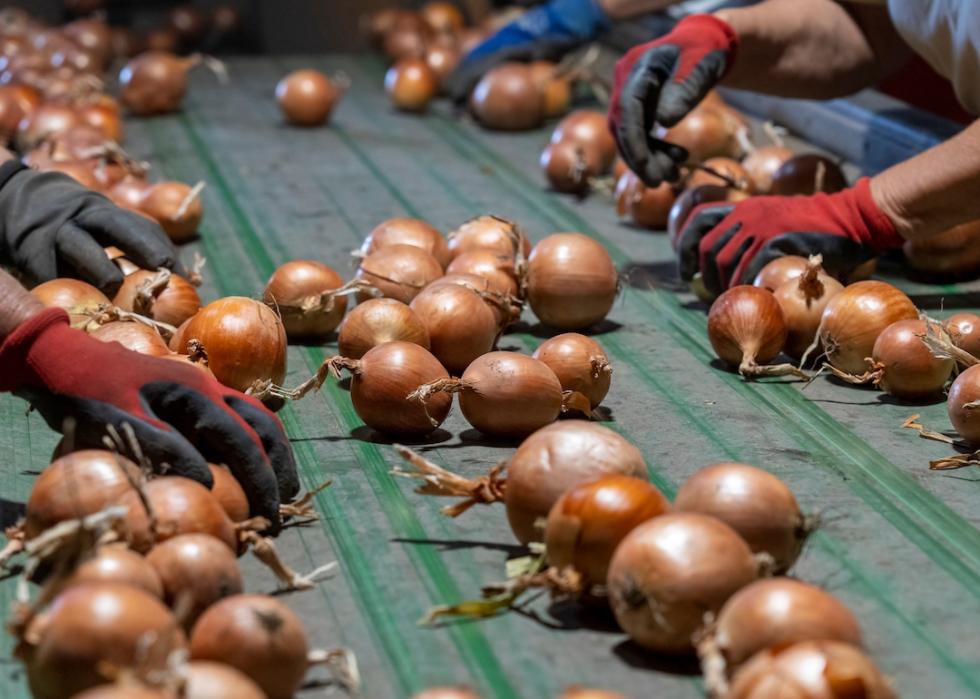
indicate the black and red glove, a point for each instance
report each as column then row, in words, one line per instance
column 181, row 417
column 659, row 83
column 730, row 243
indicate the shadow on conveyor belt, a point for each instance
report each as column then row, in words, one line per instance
column 512, row 550
column 636, row 656
column 543, row 332
column 11, row 512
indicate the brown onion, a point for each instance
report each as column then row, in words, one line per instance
column 126, row 43
column 571, row 281
column 586, row 693
column 229, row 494
column 672, row 570
column 808, row 174
column 162, row 39
column 378, row 24
column 580, row 364
column 76, row 297
column 177, row 207
column 780, row 271
column 94, row 36
column 763, row 163
column 724, row 166
column 123, row 691
column 803, row 301
column 507, row 98
column 825, row 669
column 590, row 129
column 408, row 39
column 307, row 97
column 447, row 693
column 196, row 570
column 690, row 199
column 182, row 506
column 11, row 113
column 399, row 272
column 442, row 61
column 205, row 679
column 964, row 392
column 489, row 233
column 376, row 322
column 411, row 84
column 91, row 629
column 506, row 308
column 590, row 520
column 570, row 167
column 755, row 503
column 460, row 324
column 103, row 118
column 190, row 23
column 647, row 207
column 117, row 564
column 855, row 317
column 154, row 82
column 443, row 16
column 244, row 340
column 45, row 121
column 952, row 253
column 136, row 337
column 498, row 269
column 964, row 330
column 556, row 91
column 704, row 133
column 129, row 192
column 407, row 231
column 299, row 291
column 258, row 635
column 169, row 299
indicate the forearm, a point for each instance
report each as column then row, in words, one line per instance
column 815, row 49
column 16, row 305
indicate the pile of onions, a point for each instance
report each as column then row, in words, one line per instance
column 229, row 494
column 762, row 164
column 498, row 269
column 244, row 340
column 690, row 199
column 571, row 281
column 953, row 253
column 756, row 504
column 855, row 317
column 460, row 324
column 407, row 231
column 155, row 82
column 507, row 98
column 398, row 272
column 489, row 233
column 506, row 308
column 307, row 97
column 117, row 564
column 589, row 521
column 803, row 301
column 443, row 17
column 176, row 206
column 205, row 679
column 556, row 90
column 820, row 668
column 44, row 121
column 589, row 129
column 671, row 571
column 166, row 297
column 411, row 84
column 300, row 291
column 136, row 337
column 964, row 330
column 780, row 271
column 408, row 39
column 570, row 167
column 808, row 174
column 442, row 60
column 647, row 207
column 376, row 322
column 580, row 364
column 961, row 404
column 723, row 166
column 705, row 133
column 182, row 506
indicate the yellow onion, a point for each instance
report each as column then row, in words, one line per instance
column 964, row 330
column 498, row 269
column 779, row 271
column 117, row 564
column 489, row 233
column 747, row 329
column 376, row 322
column 307, row 97
column 399, row 272
column 168, row 298
column 580, row 364
column 460, row 324
column 507, row 98
column 76, row 297
column 176, row 207
column 300, row 291
column 588, row 128
column 762, row 163
column 963, row 394
column 807, row 174
column 731, row 169
column 802, row 301
column 411, row 84
column 407, row 231
column 647, row 207
column 136, row 337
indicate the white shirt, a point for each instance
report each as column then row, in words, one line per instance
column 946, row 33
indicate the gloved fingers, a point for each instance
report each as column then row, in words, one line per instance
column 733, row 265
column 840, row 255
column 143, row 240
column 637, row 102
column 680, row 97
column 87, row 259
column 702, row 221
column 274, row 440
column 713, row 251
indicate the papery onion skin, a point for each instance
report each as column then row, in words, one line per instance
column 210, row 680
column 71, row 295
column 590, row 520
column 808, row 174
column 411, row 84
column 580, row 364
column 556, row 92
column 964, row 391
column 746, row 325
column 175, row 303
column 497, row 268
column 647, row 207
column 672, row 570
column 297, row 281
column 855, row 317
column 762, row 163
column 909, row 368
column 780, row 271
column 376, row 322
column 725, row 166
column 964, row 329
column 129, row 192
column 705, row 134
column 570, row 167
column 571, row 281
column 460, row 324
column 307, row 97
column 154, row 82
column 399, row 272
column 756, row 504
column 408, row 231
column 163, row 202
column 257, row 635
column 229, row 494
column 135, row 337
column 488, row 233
column 549, row 462
column 590, row 128
column 119, row 565
column 803, row 309
column 183, row 506
column 507, row 98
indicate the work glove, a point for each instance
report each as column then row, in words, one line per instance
column 659, row 83
column 182, row 418
column 730, row 243
column 545, row 32
column 51, row 226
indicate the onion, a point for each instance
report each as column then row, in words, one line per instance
column 129, row 192
column 570, row 167
column 411, row 84
column 647, row 207
column 117, row 564
column 589, row 521
column 176, row 207
column 725, row 166
column 823, row 668
column 571, row 281
column 507, row 98
column 855, row 317
column 190, row 23
column 443, row 17
column 11, row 113
column 964, row 392
column 756, row 504
column 155, row 81
column 407, row 231
column 161, row 39
column 780, row 271
column 771, row 613
column 229, row 494
column 123, row 691
column 408, row 39
column 307, row 97
column 762, row 164
column 580, row 364
column 808, row 174
column 258, row 635
column 134, row 336
column 42, row 123
column 704, row 133
column 498, row 269
column 300, row 291
column 379, row 23
column 556, row 91
column 76, row 297
column 126, row 43
column 447, row 693
column 442, row 61
column 209, row 680
column 103, row 118
column 585, row 693
column 489, row 233
column 590, row 129
column 94, row 36
column 168, row 298
column 399, row 272
column 672, row 570
column 690, row 199
column 802, row 301
column 460, row 324
column 376, row 322
column 93, row 628
column 182, row 506
column 226, row 19
column 953, row 253
column 505, row 307
column 244, row 340
column 197, row 570
column 964, row 330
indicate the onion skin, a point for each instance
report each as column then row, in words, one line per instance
column 828, row 669
column 549, row 462
column 44, row 121
column 580, row 364
column 128, row 193
column 570, row 167
column 647, row 207
column 507, row 98
column 177, row 302
column 705, row 134
column 376, row 322
column 183, row 506
column 762, row 163
column 964, row 329
column 307, row 97
column 460, row 324
column 135, row 337
column 953, row 253
column 229, row 494
column 571, row 281
column 443, row 17
column 965, row 390
column 117, row 564
column 588, row 128
column 556, row 92
column 908, row 369
column 802, row 302
column 726, row 166
column 154, row 82
column 408, row 231
column 210, row 680
column 780, row 271
column 72, row 295
column 399, row 272
column 297, row 281
column 488, row 233
column 590, row 520
column 91, row 626
column 808, row 174
column 163, row 202
column 855, row 317
column 498, row 269
column 257, row 635
column 746, row 327
column 442, row 61
column 672, row 570
column 411, row 84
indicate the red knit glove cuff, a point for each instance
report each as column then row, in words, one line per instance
column 15, row 369
column 881, row 230
column 721, row 32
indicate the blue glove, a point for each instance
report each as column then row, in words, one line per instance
column 543, row 33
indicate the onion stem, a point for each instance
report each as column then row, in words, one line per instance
column 442, row 483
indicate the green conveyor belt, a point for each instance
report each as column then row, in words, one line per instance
column 898, row 544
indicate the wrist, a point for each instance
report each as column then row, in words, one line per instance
column 886, row 226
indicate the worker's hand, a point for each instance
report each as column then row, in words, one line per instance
column 544, row 32
column 730, row 243
column 182, row 418
column 51, row 226
column 659, row 83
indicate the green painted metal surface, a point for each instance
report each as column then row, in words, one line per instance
column 899, row 544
